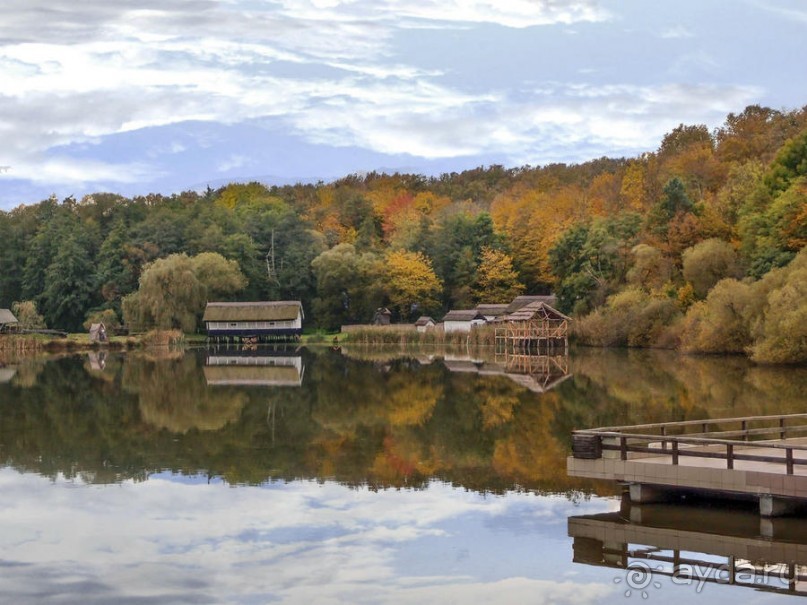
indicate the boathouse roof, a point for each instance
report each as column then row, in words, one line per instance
column 491, row 309
column 519, row 302
column 424, row 320
column 275, row 310
column 463, row 315
column 539, row 310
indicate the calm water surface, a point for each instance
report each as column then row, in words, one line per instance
column 366, row 476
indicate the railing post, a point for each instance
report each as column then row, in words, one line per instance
column 675, row 452
column 789, row 459
column 729, row 455
column 623, row 447
column 781, row 428
column 744, row 428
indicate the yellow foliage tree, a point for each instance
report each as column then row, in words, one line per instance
column 496, row 280
column 411, row 284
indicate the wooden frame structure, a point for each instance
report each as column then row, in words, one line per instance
column 535, row 326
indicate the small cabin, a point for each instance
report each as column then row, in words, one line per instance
column 462, row 320
column 382, row 317
column 7, row 321
column 277, row 318
column 424, row 323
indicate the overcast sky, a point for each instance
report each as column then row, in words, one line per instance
column 137, row 96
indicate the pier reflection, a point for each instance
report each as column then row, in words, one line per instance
column 695, row 546
column 254, row 366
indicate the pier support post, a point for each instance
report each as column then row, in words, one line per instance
column 647, row 494
column 774, row 506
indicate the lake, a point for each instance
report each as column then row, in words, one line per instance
column 368, row 475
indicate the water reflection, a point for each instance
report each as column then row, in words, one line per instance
column 359, row 416
column 660, row 544
column 254, row 366
column 7, row 373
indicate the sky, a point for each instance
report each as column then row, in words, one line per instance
column 162, row 96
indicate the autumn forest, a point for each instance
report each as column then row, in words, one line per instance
column 698, row 245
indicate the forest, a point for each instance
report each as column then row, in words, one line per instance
column 698, row 245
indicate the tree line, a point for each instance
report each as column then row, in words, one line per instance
column 661, row 230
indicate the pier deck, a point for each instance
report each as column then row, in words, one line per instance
column 728, row 458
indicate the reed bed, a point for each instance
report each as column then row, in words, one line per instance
column 387, row 335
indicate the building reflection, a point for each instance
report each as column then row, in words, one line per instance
column 254, row 366
column 538, row 373
column 695, row 546
column 7, row 373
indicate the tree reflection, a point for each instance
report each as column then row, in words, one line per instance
column 173, row 395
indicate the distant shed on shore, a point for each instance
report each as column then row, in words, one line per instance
column 424, row 323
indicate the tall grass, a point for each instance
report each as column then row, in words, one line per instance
column 162, row 338
column 12, row 343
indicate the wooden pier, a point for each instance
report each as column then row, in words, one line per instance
column 754, row 457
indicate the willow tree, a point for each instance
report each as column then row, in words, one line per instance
column 173, row 290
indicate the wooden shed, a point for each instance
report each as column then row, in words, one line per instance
column 265, row 319
column 382, row 317
column 98, row 333
column 7, row 321
column 462, row 320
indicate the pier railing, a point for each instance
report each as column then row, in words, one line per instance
column 710, row 438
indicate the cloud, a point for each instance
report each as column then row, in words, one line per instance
column 514, row 13
column 550, row 125
column 161, row 541
column 790, row 14
column 233, row 161
column 677, row 32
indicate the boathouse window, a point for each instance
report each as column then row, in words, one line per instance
column 233, row 325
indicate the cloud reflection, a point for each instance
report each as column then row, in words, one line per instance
column 164, row 541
